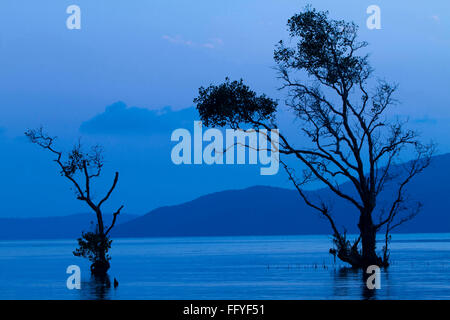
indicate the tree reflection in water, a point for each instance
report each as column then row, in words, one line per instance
column 344, row 282
column 97, row 288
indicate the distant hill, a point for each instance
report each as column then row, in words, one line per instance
column 62, row 227
column 276, row 211
column 259, row 210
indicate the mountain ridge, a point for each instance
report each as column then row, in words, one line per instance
column 256, row 210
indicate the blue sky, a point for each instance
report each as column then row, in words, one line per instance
column 153, row 56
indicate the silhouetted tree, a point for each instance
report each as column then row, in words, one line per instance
column 345, row 122
column 81, row 168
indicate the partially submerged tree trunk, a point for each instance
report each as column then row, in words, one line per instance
column 101, row 266
column 367, row 255
column 368, row 240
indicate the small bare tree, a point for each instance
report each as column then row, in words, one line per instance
column 81, row 168
column 350, row 136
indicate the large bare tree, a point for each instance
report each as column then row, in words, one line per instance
column 81, row 168
column 344, row 116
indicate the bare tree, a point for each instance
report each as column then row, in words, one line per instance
column 351, row 137
column 81, row 168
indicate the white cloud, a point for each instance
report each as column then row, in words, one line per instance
column 436, row 18
column 177, row 40
column 213, row 43
column 210, row 44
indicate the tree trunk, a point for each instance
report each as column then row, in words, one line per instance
column 99, row 221
column 368, row 240
column 350, row 253
column 101, row 266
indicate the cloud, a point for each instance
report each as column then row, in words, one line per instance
column 210, row 44
column 177, row 40
column 436, row 18
column 213, row 43
column 118, row 119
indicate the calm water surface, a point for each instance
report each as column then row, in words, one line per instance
column 294, row 267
